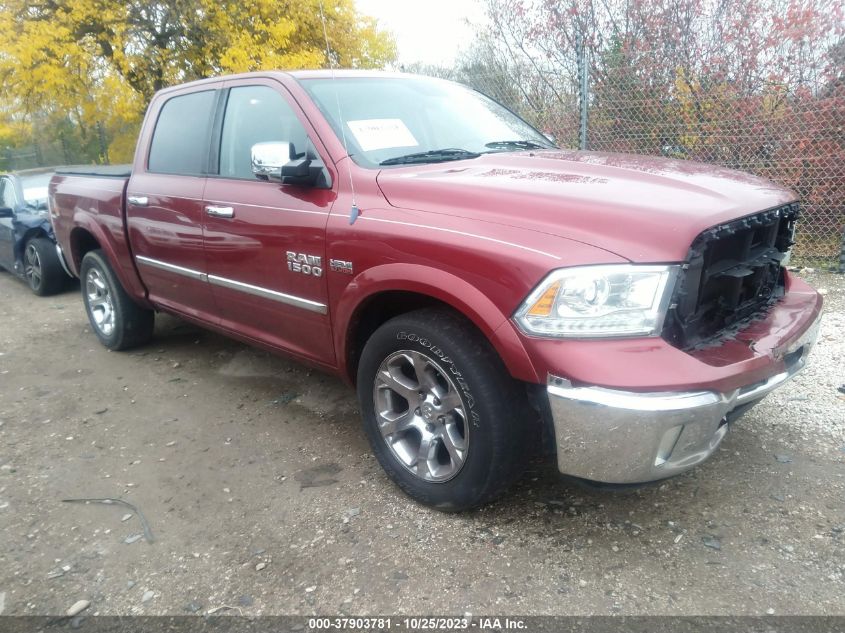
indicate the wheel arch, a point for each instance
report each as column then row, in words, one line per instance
column 82, row 241
column 384, row 292
column 29, row 234
column 87, row 236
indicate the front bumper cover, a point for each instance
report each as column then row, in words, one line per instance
column 616, row 436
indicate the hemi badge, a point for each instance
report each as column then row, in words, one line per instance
column 340, row 266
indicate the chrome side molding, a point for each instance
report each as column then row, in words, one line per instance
column 223, row 282
column 266, row 293
column 172, row 268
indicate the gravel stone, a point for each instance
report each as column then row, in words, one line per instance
column 712, row 542
column 78, row 607
column 547, row 552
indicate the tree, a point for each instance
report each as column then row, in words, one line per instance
column 100, row 61
column 756, row 86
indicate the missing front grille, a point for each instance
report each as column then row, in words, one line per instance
column 733, row 275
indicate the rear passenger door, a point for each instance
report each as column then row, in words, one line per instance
column 164, row 209
column 253, row 228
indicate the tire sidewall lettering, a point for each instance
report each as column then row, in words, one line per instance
column 447, row 363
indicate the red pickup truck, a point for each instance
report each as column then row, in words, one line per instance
column 488, row 294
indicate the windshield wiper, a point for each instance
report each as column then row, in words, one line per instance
column 506, row 145
column 431, row 156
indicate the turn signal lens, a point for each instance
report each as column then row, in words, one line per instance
column 543, row 306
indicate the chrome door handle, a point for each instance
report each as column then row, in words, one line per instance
column 138, row 201
column 220, row 212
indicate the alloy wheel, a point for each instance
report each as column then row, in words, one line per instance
column 100, row 302
column 32, row 267
column 421, row 415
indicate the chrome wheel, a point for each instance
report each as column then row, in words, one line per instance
column 99, row 301
column 421, row 416
column 32, row 267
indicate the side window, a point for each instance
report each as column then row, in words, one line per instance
column 180, row 139
column 7, row 193
column 255, row 114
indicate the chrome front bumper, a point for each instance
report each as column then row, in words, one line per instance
column 616, row 436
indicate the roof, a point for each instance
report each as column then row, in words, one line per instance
column 340, row 73
column 343, row 73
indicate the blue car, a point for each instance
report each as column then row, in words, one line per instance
column 27, row 245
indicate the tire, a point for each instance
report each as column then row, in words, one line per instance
column 118, row 322
column 468, row 421
column 41, row 267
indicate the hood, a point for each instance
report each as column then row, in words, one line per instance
column 642, row 208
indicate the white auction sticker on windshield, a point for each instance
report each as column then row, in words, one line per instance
column 373, row 134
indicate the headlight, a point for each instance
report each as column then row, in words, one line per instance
column 598, row 301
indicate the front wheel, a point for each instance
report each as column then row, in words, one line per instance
column 41, row 267
column 445, row 420
column 118, row 322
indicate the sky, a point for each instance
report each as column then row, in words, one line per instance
column 428, row 31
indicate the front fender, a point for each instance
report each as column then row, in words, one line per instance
column 440, row 285
column 27, row 227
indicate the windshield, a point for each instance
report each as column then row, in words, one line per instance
column 398, row 120
column 35, row 190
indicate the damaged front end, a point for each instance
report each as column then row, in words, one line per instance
column 732, row 276
column 738, row 327
column 26, row 226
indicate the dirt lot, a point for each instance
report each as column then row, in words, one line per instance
column 262, row 495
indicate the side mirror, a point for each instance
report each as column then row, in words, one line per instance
column 6, row 212
column 279, row 161
column 269, row 158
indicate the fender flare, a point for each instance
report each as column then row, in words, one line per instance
column 443, row 286
column 133, row 287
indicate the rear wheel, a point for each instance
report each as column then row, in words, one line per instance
column 445, row 420
column 41, row 267
column 118, row 322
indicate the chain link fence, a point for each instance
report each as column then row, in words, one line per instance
column 796, row 140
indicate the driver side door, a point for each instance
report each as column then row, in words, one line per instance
column 264, row 241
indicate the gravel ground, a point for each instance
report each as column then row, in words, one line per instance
column 262, row 495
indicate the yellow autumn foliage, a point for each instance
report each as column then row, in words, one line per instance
column 79, row 64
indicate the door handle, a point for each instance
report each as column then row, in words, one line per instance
column 220, row 212
column 138, row 201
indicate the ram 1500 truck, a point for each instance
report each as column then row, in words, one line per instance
column 487, row 293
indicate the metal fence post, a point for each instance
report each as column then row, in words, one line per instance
column 582, row 80
column 842, row 253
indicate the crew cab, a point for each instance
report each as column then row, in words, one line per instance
column 487, row 293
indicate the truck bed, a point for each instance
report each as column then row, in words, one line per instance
column 97, row 171
column 88, row 203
